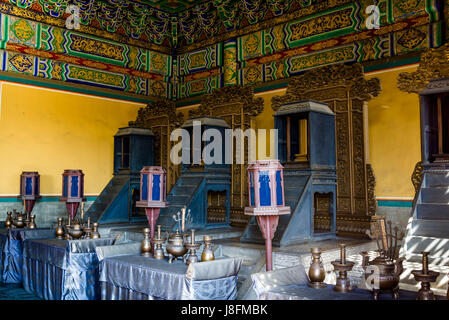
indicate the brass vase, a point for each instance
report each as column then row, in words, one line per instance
column 95, row 234
column 145, row 247
column 8, row 221
column 60, row 230
column 32, row 223
column 208, row 253
column 317, row 274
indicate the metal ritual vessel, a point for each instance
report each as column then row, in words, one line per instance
column 87, row 227
column 60, row 230
column 145, row 247
column 426, row 276
column 192, row 247
column 208, row 253
column 18, row 221
column 32, row 223
column 266, row 200
column 383, row 273
column 75, row 231
column 158, row 252
column 175, row 246
column 317, row 274
column 29, row 192
column 95, row 234
column 8, row 221
column 343, row 266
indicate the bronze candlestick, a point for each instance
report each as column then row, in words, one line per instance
column 192, row 246
column 208, row 253
column 426, row 276
column 32, row 223
column 146, row 243
column 95, row 234
column 343, row 266
column 317, row 274
column 158, row 253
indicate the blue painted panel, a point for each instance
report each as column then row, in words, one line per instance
column 279, row 189
column 28, row 186
column 36, row 185
column 264, row 189
column 74, row 189
column 65, row 186
column 251, row 188
column 156, row 192
column 144, row 187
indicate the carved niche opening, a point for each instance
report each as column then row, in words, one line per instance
column 238, row 107
column 345, row 89
column 322, row 212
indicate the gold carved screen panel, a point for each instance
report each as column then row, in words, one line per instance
column 161, row 118
column 238, row 107
column 345, row 90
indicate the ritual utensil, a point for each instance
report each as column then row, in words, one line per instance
column 87, row 229
column 75, row 231
column 343, row 266
column 192, row 247
column 117, row 237
column 32, row 223
column 18, row 222
column 317, row 274
column 175, row 246
column 158, row 252
column 60, row 230
column 426, row 276
column 145, row 247
column 8, row 221
column 95, row 234
column 208, row 253
column 383, row 273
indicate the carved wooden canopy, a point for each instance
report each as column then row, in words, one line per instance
column 345, row 89
column 434, row 65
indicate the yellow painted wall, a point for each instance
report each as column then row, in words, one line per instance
column 394, row 136
column 49, row 131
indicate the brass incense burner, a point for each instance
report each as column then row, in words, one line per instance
column 75, row 231
column 426, row 276
column 192, row 247
column 343, row 266
column 383, row 273
column 208, row 253
column 317, row 274
column 175, row 246
column 18, row 221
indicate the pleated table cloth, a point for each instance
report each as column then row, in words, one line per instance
column 62, row 269
column 11, row 244
column 135, row 277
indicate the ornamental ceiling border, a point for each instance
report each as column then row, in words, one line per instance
column 434, row 65
column 227, row 95
column 350, row 76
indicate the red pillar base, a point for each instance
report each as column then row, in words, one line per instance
column 72, row 209
column 152, row 215
column 268, row 225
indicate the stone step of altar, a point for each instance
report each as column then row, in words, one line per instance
column 435, row 195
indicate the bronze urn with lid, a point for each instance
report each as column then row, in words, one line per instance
column 175, row 246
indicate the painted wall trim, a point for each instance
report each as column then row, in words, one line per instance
column 49, row 198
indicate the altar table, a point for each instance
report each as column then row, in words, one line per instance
column 135, row 277
column 62, row 269
column 11, row 244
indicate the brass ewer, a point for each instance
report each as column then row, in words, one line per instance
column 383, row 273
column 145, row 247
column 8, row 221
column 208, row 253
column 192, row 247
column 343, row 266
column 317, row 274
column 60, row 230
column 426, row 276
column 175, row 246
column 158, row 253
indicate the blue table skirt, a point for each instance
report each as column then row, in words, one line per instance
column 12, row 251
column 145, row 278
column 3, row 240
column 61, row 269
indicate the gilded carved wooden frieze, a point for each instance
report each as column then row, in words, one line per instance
column 345, row 89
column 161, row 118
